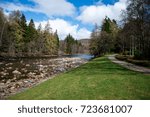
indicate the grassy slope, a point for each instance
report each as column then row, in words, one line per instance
column 98, row 79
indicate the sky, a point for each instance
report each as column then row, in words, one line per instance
column 76, row 17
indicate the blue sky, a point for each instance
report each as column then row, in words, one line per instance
column 67, row 16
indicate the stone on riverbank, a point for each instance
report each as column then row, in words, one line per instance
column 16, row 72
column 34, row 77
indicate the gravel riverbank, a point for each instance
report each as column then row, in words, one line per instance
column 23, row 76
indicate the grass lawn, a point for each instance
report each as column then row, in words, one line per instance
column 96, row 80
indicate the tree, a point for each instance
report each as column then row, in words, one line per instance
column 51, row 40
column 69, row 40
column 3, row 30
column 138, row 24
column 31, row 31
column 57, row 41
column 48, row 39
column 19, row 39
column 31, row 37
column 40, row 45
column 94, row 42
column 24, row 32
column 103, row 39
column 23, row 25
column 15, row 34
column 106, row 25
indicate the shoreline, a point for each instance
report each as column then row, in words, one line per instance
column 38, row 57
column 15, row 85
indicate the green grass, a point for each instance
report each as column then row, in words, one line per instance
column 96, row 80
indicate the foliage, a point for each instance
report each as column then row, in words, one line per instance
column 136, row 29
column 103, row 40
column 132, row 60
column 71, row 45
column 139, row 62
column 132, row 38
column 19, row 39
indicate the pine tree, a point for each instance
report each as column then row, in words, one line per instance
column 24, row 31
column 40, row 40
column 106, row 25
column 31, row 38
column 3, row 30
column 15, row 34
column 23, row 25
column 57, row 41
column 103, row 41
column 69, row 40
column 94, row 45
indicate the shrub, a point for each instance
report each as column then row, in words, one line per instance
column 144, row 63
column 138, row 55
column 125, row 53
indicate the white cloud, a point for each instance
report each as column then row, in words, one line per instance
column 18, row 6
column 48, row 7
column 96, row 14
column 64, row 28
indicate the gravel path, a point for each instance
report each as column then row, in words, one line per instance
column 129, row 65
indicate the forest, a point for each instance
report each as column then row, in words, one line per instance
column 132, row 37
column 21, row 39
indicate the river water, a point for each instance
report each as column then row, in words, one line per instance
column 25, row 68
column 83, row 56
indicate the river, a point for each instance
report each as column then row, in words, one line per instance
column 83, row 56
column 19, row 74
column 26, row 68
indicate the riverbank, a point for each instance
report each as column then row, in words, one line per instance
column 95, row 80
column 20, row 75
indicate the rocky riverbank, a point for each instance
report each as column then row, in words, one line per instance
column 24, row 76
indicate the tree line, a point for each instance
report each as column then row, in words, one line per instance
column 18, row 39
column 131, row 38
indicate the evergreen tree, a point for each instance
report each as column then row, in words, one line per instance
column 69, row 40
column 24, row 31
column 31, row 38
column 23, row 25
column 94, row 45
column 31, row 31
column 57, row 41
column 106, row 25
column 104, row 40
column 40, row 40
column 3, row 30
column 51, row 40
column 15, row 34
